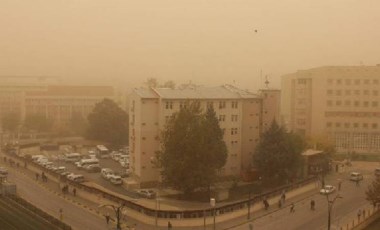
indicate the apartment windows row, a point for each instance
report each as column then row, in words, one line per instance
column 234, row 131
column 222, row 118
column 348, row 125
column 348, row 92
column 210, row 104
column 353, row 81
column 373, row 104
column 359, row 141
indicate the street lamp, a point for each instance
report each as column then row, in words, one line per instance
column 212, row 203
column 117, row 210
column 330, row 204
column 249, row 205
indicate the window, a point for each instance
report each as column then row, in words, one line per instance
column 169, row 105
column 375, row 104
column 375, row 93
column 375, row 81
column 182, row 105
column 222, row 104
column 328, row 124
column 234, row 117
column 222, row 117
column 234, row 131
column 329, row 81
column 357, row 82
column 301, row 81
column 365, row 125
column 348, row 92
column 357, row 103
column 365, row 103
column 346, row 125
column 347, row 103
column 338, row 103
column 374, row 125
column 366, row 92
column 337, row 125
column 338, row 81
column 234, row 104
column 357, row 92
column 366, row 81
column 210, row 104
column 356, row 125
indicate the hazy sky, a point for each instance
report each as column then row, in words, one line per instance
column 206, row 41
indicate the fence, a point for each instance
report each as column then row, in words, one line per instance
column 364, row 218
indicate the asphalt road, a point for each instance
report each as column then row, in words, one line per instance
column 344, row 209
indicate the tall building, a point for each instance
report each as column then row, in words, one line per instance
column 242, row 115
column 341, row 103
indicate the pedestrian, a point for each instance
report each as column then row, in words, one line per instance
column 74, row 191
column 292, row 208
column 60, row 214
column 339, row 185
column 107, row 216
column 37, row 176
column 169, row 225
column 363, row 213
column 250, row 226
column 283, row 197
column 357, row 183
column 359, row 214
column 25, row 164
column 266, row 204
column 279, row 203
column 312, row 205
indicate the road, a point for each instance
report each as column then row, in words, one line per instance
column 344, row 209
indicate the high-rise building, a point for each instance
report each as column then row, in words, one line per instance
column 242, row 116
column 341, row 103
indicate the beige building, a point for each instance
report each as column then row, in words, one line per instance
column 27, row 95
column 242, row 115
column 341, row 103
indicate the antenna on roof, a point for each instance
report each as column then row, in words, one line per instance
column 266, row 82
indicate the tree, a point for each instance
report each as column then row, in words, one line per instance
column 38, row 122
column 10, row 121
column 278, row 154
column 108, row 123
column 373, row 192
column 192, row 149
column 169, row 84
column 152, row 82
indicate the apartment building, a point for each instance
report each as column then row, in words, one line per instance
column 60, row 103
column 341, row 103
column 242, row 115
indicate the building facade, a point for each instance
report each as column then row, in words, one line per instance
column 26, row 95
column 341, row 103
column 242, row 115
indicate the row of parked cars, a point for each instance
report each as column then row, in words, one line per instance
column 49, row 165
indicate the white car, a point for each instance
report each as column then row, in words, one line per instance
column 328, row 189
column 116, row 180
column 355, row 176
column 106, row 173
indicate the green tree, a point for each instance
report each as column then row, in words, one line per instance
column 10, row 121
column 278, row 154
column 192, row 149
column 169, row 84
column 108, row 123
column 38, row 122
column 373, row 192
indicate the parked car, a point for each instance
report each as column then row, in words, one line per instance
column 355, row 176
column 146, row 193
column 115, row 179
column 77, row 178
column 106, row 172
column 92, row 168
column 328, row 189
column 3, row 171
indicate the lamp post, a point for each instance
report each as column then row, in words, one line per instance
column 212, row 203
column 249, row 205
column 330, row 204
column 118, row 213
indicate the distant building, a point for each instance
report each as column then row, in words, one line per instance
column 242, row 116
column 41, row 95
column 341, row 103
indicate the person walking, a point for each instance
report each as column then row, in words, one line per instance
column 169, row 225
column 74, row 191
column 250, row 226
column 357, row 183
column 359, row 214
column 339, row 184
column 312, row 205
column 37, row 176
column 107, row 216
column 292, row 208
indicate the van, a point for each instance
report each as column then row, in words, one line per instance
column 36, row 157
column 86, row 162
column 355, row 176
